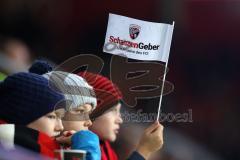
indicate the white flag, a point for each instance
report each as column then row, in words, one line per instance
column 138, row 39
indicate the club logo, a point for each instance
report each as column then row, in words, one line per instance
column 134, row 31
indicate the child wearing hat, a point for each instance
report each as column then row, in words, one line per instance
column 30, row 113
column 108, row 120
column 80, row 102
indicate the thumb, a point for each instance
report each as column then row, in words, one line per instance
column 152, row 127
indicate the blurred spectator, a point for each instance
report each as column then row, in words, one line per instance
column 14, row 56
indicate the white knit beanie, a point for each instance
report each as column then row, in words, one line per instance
column 76, row 90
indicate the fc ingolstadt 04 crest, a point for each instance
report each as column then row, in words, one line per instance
column 134, row 31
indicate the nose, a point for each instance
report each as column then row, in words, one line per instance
column 87, row 123
column 119, row 119
column 59, row 125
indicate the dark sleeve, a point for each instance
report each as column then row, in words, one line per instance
column 27, row 138
column 135, row 156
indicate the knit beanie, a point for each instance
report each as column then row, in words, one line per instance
column 107, row 93
column 25, row 97
column 76, row 90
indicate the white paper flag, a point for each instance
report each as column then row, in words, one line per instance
column 138, row 39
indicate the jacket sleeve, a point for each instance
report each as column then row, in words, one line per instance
column 135, row 156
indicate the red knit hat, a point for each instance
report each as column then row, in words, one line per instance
column 107, row 93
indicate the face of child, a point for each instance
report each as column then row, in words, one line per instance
column 78, row 119
column 107, row 125
column 50, row 124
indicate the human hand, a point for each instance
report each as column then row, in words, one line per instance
column 151, row 140
column 65, row 138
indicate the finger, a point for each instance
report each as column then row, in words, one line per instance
column 59, row 140
column 73, row 131
column 158, row 131
column 63, row 140
column 65, row 133
column 161, row 126
column 152, row 127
